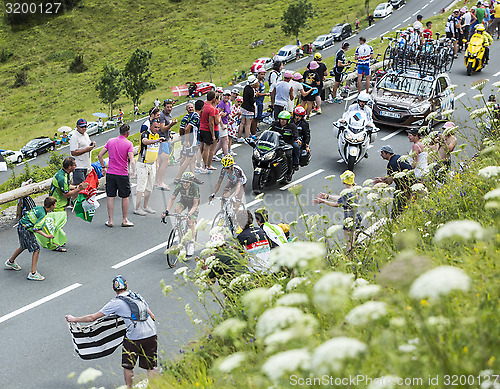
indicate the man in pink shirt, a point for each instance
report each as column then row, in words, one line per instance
column 121, row 152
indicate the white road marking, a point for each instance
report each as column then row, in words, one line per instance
column 39, row 302
column 367, row 28
column 496, row 74
column 386, row 17
column 402, row 6
column 178, row 105
column 302, row 179
column 475, row 86
column 236, row 146
column 408, row 18
column 431, row 1
column 416, row 13
column 425, row 6
column 139, row 256
column 303, row 58
column 252, row 203
column 387, row 32
column 460, row 96
column 396, row 26
column 392, row 134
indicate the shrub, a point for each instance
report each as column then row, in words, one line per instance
column 78, row 65
column 5, row 54
column 21, row 78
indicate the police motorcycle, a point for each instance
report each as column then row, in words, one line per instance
column 354, row 136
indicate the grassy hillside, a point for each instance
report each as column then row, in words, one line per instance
column 109, row 31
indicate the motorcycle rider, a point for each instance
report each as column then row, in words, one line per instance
column 360, row 106
column 487, row 41
column 289, row 135
column 304, row 135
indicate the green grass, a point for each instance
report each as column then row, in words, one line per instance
column 109, row 31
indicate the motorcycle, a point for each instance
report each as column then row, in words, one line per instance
column 354, row 136
column 474, row 55
column 268, row 159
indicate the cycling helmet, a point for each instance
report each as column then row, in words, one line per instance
column 317, row 56
column 235, row 91
column 227, row 161
column 363, row 96
column 284, row 115
column 299, row 111
column 480, row 28
column 227, row 92
column 187, row 176
column 297, row 76
column 313, row 65
column 119, row 283
column 284, row 227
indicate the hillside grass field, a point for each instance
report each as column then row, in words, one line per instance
column 107, row 32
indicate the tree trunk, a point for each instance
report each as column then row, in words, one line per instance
column 210, row 71
column 367, row 7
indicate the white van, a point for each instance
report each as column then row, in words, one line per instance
column 287, row 53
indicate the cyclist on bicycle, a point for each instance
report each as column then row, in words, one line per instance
column 304, row 135
column 340, row 65
column 237, row 181
column 360, row 106
column 289, row 134
column 189, row 200
column 487, row 41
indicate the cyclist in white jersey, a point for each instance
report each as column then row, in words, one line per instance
column 237, row 180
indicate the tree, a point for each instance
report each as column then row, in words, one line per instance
column 109, row 86
column 296, row 17
column 209, row 56
column 136, row 75
column 367, row 7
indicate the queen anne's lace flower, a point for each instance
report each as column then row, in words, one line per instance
column 328, row 358
column 294, row 282
column 88, row 375
column 293, row 299
column 230, row 328
column 465, row 229
column 332, row 230
column 240, row 281
column 279, row 318
column 489, row 171
column 298, row 255
column 367, row 312
column 331, row 291
column 384, row 382
column 366, row 292
column 492, row 194
column 286, row 363
column 231, row 362
column 438, row 282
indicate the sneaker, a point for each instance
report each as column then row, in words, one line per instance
column 215, row 158
column 233, row 153
column 140, row 212
column 253, row 137
column 149, row 210
column 337, row 100
column 190, row 249
column 12, row 265
column 240, row 140
column 203, row 171
column 35, row 277
column 318, row 112
column 198, row 169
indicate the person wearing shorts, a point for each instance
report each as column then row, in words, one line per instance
column 166, row 124
column 189, row 200
column 224, row 108
column 340, row 64
column 121, row 153
column 364, row 53
column 140, row 341
column 237, row 181
column 209, row 129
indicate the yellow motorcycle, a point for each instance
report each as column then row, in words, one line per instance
column 474, row 55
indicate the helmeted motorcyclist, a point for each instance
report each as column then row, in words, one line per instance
column 289, row 135
column 360, row 106
column 304, row 133
column 487, row 41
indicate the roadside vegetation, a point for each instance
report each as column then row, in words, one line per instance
column 103, row 33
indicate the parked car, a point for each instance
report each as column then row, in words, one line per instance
column 341, row 31
column 92, row 128
column 38, row 146
column 323, row 41
column 266, row 62
column 405, row 99
column 382, row 10
column 397, row 3
column 12, row 156
column 203, row 87
column 288, row 53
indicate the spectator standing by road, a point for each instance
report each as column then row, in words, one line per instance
column 154, row 113
column 166, row 124
column 224, row 107
column 370, row 19
column 396, row 164
column 427, row 33
column 136, row 112
column 417, row 24
column 495, row 23
column 248, row 107
column 340, row 64
column 443, row 144
column 418, row 154
column 148, row 153
column 357, row 26
column 120, row 116
column 121, row 153
column 27, row 241
column 275, row 76
column 157, row 103
column 140, row 340
column 298, row 90
column 80, row 147
column 364, row 53
column 100, row 125
column 311, row 79
column 234, row 122
column 260, row 95
column 282, row 94
column 208, row 122
column 322, row 72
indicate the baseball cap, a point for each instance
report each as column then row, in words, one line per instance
column 119, row 283
column 234, row 90
column 387, row 149
column 81, row 123
column 317, row 56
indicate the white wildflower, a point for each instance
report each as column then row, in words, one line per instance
column 366, row 292
column 188, row 310
column 332, row 230
column 346, row 191
column 275, row 290
column 497, row 84
column 439, row 282
column 279, row 318
column 88, row 375
column 256, row 300
column 286, row 363
column 451, row 87
column 478, row 96
column 368, row 182
column 241, row 280
column 295, row 189
column 489, row 171
column 465, row 229
column 385, row 201
column 182, row 270
column 431, row 116
column 418, row 187
column 230, row 328
column 492, row 194
column 298, row 255
column 293, row 299
column 368, row 215
column 385, row 382
column 201, row 225
column 373, row 196
column 294, row 282
column 478, row 112
column 407, row 348
column 367, row 312
column 428, row 223
column 166, row 289
column 330, row 177
column 231, row 362
column 380, row 185
column 328, row 358
column 366, row 189
column 331, row 290
column 447, row 112
column 438, row 321
column 397, row 322
column 197, row 321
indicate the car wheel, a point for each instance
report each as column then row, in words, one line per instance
column 34, row 155
column 19, row 159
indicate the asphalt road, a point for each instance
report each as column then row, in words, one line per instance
column 35, row 342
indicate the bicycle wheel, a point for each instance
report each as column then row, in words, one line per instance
column 173, row 240
column 387, row 58
column 219, row 220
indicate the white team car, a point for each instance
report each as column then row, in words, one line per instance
column 382, row 10
column 12, row 156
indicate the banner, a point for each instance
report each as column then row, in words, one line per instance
column 52, row 224
column 98, row 339
column 181, row 90
column 86, row 203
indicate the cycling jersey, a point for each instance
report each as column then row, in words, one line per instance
column 339, row 57
column 148, row 153
column 255, row 242
column 236, row 175
column 364, row 52
column 189, row 194
column 356, row 108
column 451, row 25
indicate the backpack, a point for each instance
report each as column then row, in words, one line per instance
column 138, row 307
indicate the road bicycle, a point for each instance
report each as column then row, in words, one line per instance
column 226, row 217
column 179, row 229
